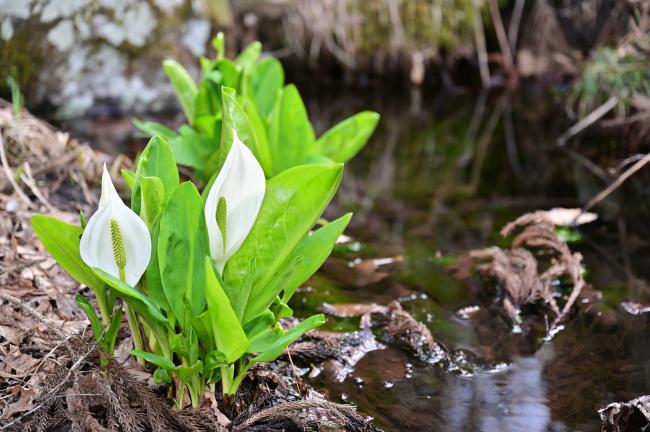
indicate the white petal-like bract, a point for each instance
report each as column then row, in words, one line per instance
column 240, row 186
column 115, row 233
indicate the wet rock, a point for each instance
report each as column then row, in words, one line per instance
column 626, row 416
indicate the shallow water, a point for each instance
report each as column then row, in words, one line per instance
column 440, row 177
column 434, row 183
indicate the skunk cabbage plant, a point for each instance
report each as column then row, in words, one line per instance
column 271, row 116
column 205, row 278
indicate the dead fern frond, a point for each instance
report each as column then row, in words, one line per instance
column 517, row 270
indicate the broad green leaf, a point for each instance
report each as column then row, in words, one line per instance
column 240, row 299
column 234, row 117
column 182, row 248
column 248, row 57
column 215, row 359
column 230, row 71
column 203, row 328
column 62, row 242
column 161, row 375
column 153, row 199
column 314, row 250
column 281, row 308
column 183, row 85
column 192, row 148
column 88, row 309
column 259, row 127
column 294, row 200
column 228, row 333
column 157, row 160
column 129, row 293
column 291, row 136
column 152, row 129
column 262, row 332
column 154, row 285
column 155, row 359
column 129, row 178
column 187, row 372
column 274, row 350
column 266, row 80
column 343, row 141
column 208, row 101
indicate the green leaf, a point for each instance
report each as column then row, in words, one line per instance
column 262, row 332
column 248, row 57
column 153, row 199
column 228, row 333
column 314, row 250
column 155, row 359
column 152, row 129
column 157, row 160
column 192, row 148
column 182, row 248
column 275, row 349
column 85, row 306
column 234, row 117
column 343, row 141
column 266, row 81
column 128, row 293
column 129, row 178
column 161, row 375
column 62, row 242
column 203, row 327
column 259, row 127
column 291, row 136
column 281, row 308
column 219, row 42
column 152, row 276
column 215, row 359
column 293, row 201
column 183, row 85
column 208, row 101
column 230, row 71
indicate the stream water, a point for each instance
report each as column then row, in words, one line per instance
column 440, row 177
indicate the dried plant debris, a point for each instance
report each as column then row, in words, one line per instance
column 626, row 416
column 80, row 396
column 313, row 413
column 533, row 267
column 396, row 326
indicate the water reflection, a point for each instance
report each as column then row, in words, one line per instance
column 445, row 178
column 511, row 401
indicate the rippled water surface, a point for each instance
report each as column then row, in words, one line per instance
column 441, row 176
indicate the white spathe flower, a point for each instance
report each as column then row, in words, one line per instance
column 233, row 202
column 116, row 240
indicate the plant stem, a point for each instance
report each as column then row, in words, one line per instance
column 180, row 393
column 243, row 370
column 132, row 318
column 227, row 374
column 104, row 308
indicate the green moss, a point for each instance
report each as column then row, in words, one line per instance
column 21, row 57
